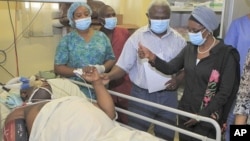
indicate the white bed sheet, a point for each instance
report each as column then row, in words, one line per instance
column 61, row 120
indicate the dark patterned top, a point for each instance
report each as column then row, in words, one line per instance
column 197, row 77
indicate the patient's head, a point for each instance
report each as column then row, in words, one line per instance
column 36, row 93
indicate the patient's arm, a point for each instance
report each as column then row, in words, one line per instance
column 30, row 113
column 15, row 114
column 104, row 100
column 15, row 128
column 27, row 113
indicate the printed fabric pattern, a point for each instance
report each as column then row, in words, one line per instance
column 74, row 51
column 243, row 98
column 211, row 90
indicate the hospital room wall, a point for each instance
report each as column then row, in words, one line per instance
column 33, row 53
column 36, row 54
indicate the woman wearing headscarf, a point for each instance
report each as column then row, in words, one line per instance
column 82, row 47
column 211, row 73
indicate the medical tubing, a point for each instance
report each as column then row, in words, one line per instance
column 91, row 98
column 4, row 56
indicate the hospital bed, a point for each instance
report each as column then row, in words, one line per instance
column 176, row 111
column 61, row 87
column 4, row 111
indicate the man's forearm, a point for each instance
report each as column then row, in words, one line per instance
column 108, row 65
column 116, row 73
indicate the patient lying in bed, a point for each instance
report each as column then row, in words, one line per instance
column 60, row 87
column 71, row 118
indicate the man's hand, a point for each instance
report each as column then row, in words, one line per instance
column 105, row 78
column 172, row 84
column 176, row 81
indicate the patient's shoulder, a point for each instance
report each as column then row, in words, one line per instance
column 15, row 114
column 31, row 112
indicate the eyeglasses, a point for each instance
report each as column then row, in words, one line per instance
column 195, row 30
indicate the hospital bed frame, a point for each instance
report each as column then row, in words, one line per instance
column 176, row 111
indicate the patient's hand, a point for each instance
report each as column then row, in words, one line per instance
column 91, row 74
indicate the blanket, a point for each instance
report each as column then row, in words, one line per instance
column 77, row 119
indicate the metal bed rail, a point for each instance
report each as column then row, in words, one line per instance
column 159, row 106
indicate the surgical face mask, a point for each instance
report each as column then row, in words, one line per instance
column 83, row 24
column 35, row 91
column 110, row 23
column 196, row 38
column 159, row 26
